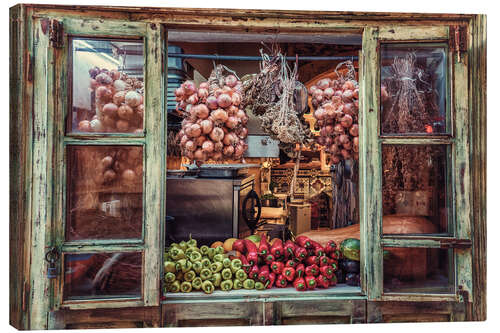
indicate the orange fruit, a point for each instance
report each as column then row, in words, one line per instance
column 216, row 244
column 228, row 244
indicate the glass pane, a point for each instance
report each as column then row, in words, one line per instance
column 413, row 89
column 418, row 270
column 97, row 275
column 105, row 186
column 108, row 89
column 415, row 189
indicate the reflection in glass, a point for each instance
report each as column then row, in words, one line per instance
column 414, row 185
column 413, row 89
column 108, row 89
column 418, row 270
column 97, row 275
column 105, row 187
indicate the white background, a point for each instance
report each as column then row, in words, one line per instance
column 427, row 6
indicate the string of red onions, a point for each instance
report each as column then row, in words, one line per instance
column 214, row 125
column 335, row 103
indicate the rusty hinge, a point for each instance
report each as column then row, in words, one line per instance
column 458, row 39
column 456, row 243
column 56, row 33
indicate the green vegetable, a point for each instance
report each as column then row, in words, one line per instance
column 259, row 285
column 197, row 282
column 197, row 266
column 216, row 279
column 183, row 265
column 226, row 274
column 206, row 263
column 219, row 257
column 175, row 287
column 176, row 254
column 226, row 285
column 183, row 245
column 169, row 266
column 211, row 253
column 192, row 242
column 241, row 275
column 350, row 248
column 216, row 266
column 207, row 287
column 219, row 250
column 189, row 276
column 226, row 262
column 237, row 284
column 204, row 250
column 174, row 245
column 249, row 284
column 170, row 277
column 206, row 274
column 166, row 256
column 235, row 265
column 186, row 287
column 195, row 256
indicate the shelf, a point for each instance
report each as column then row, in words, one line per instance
column 340, row 291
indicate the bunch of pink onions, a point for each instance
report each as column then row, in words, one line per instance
column 335, row 104
column 119, row 103
column 214, row 125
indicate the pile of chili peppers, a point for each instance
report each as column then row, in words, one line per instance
column 303, row 263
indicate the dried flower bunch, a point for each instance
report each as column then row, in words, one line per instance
column 270, row 96
column 409, row 101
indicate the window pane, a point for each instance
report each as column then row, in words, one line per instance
column 413, row 89
column 97, row 275
column 418, row 270
column 108, row 89
column 105, row 186
column 415, row 189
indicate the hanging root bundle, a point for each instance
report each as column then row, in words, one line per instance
column 411, row 103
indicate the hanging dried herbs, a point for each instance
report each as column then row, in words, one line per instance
column 409, row 100
column 270, row 96
column 411, row 168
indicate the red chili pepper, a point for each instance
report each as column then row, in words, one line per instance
column 270, row 282
column 334, row 265
column 252, row 254
column 324, row 260
column 335, row 254
column 310, row 282
column 299, row 284
column 281, row 281
column 263, row 274
column 254, row 272
column 303, row 241
column 268, row 259
column 263, row 246
column 318, row 249
column 289, row 249
column 239, row 246
column 312, row 270
column 277, row 248
column 333, row 280
column 289, row 273
column 312, row 260
column 300, row 270
column 326, row 271
column 330, row 246
column 300, row 253
column 245, row 265
column 290, row 263
column 322, row 281
column 277, row 267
